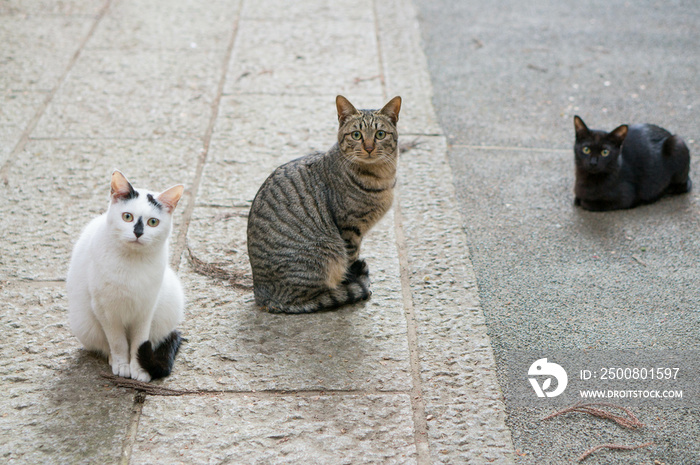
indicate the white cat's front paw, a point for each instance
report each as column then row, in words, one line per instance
column 121, row 369
column 139, row 373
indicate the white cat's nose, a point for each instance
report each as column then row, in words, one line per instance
column 138, row 228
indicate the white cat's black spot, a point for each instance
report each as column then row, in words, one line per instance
column 132, row 194
column 154, row 202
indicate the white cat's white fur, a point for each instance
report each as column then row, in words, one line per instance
column 121, row 290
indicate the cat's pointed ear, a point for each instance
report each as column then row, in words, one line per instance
column 121, row 189
column 392, row 109
column 170, row 197
column 580, row 127
column 345, row 108
column 619, row 133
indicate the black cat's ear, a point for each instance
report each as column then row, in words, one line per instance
column 619, row 133
column 392, row 109
column 580, row 127
column 345, row 109
column 121, row 188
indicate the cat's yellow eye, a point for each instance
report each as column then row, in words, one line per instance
column 380, row 135
column 605, row 152
column 586, row 150
column 153, row 222
column 357, row 135
column 128, row 217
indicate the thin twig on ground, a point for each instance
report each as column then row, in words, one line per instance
column 630, row 421
column 151, row 389
column 611, row 446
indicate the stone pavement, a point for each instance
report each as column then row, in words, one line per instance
column 214, row 95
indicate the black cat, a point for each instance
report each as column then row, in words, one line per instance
column 628, row 166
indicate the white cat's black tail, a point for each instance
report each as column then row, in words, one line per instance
column 158, row 363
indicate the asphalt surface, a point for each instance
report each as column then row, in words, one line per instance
column 508, row 77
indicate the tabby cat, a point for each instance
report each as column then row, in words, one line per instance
column 308, row 218
column 628, row 166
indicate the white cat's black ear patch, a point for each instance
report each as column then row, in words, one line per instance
column 121, row 189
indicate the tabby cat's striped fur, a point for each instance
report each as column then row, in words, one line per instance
column 308, row 218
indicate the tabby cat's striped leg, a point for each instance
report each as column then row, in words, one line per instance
column 352, row 238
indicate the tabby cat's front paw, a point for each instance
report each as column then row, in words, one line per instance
column 139, row 373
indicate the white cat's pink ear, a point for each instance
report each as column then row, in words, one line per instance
column 392, row 109
column 171, row 197
column 121, row 188
column 345, row 109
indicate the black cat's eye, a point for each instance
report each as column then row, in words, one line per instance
column 357, row 135
column 605, row 152
column 380, row 135
column 128, row 217
column 153, row 222
column 586, row 150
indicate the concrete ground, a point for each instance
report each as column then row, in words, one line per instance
column 214, row 95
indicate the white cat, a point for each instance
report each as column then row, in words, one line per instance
column 123, row 298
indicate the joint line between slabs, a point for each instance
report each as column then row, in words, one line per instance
column 130, row 439
column 181, row 241
column 420, row 423
column 24, row 138
column 132, row 430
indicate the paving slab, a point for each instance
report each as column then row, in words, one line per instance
column 53, row 406
column 115, row 94
column 54, row 188
column 284, row 429
column 37, row 49
column 307, row 55
column 215, row 97
column 138, row 25
column 234, row 345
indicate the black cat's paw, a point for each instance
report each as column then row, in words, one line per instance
column 680, row 188
column 577, row 202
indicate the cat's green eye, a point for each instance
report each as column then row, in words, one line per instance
column 357, row 135
column 586, row 150
column 380, row 135
column 605, row 152
column 153, row 222
column 128, row 217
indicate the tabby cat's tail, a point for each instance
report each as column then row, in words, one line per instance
column 159, row 363
column 355, row 288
